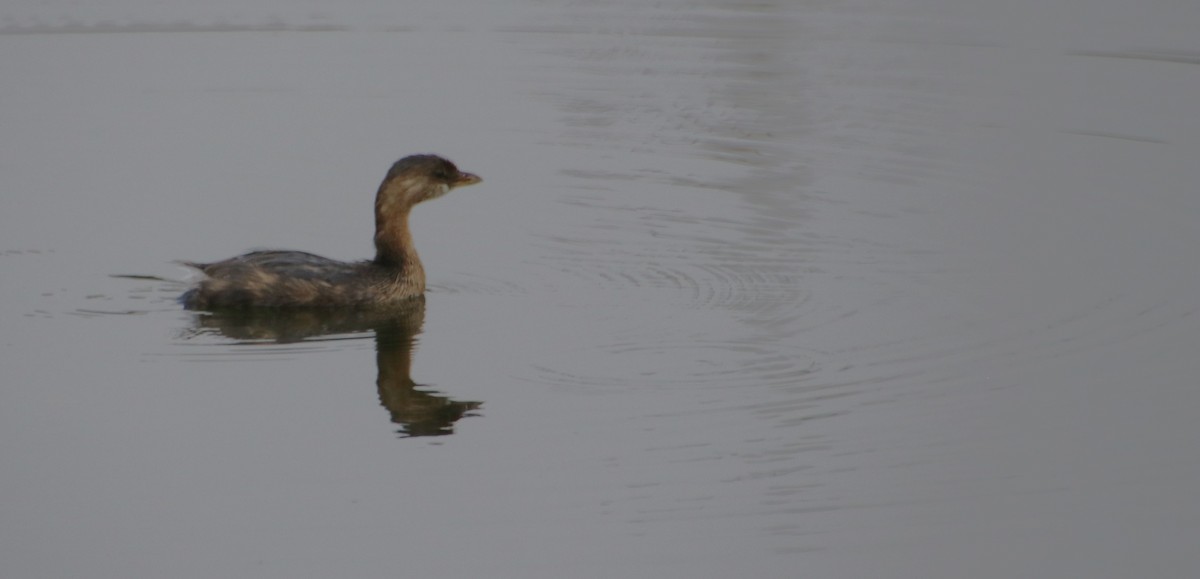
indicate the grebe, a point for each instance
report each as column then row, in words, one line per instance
column 299, row 279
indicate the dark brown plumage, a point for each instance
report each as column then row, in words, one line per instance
column 301, row 279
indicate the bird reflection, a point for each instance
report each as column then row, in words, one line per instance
column 417, row 412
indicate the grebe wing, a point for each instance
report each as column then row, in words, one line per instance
column 293, row 264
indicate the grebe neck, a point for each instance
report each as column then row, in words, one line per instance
column 394, row 244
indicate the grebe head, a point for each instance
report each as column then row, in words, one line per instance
column 418, row 178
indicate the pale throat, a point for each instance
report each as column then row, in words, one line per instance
column 393, row 241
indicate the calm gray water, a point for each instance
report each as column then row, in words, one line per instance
column 812, row 289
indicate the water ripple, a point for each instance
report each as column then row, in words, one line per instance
column 475, row 284
column 692, row 364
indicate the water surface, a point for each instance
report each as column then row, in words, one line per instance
column 832, row 289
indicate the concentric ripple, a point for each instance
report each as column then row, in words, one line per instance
column 475, row 284
column 700, row 364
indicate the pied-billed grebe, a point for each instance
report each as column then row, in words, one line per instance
column 300, row 279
